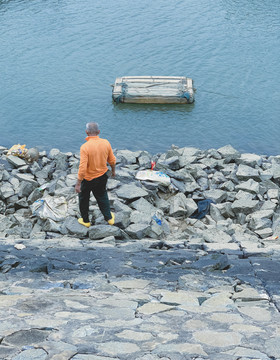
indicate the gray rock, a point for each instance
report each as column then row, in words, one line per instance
column 215, row 235
column 51, row 225
column 126, row 156
column 162, row 204
column 26, row 188
column 137, row 231
column 27, row 177
column 245, row 206
column 121, row 207
column 203, row 183
column 229, row 169
column 187, row 185
column 273, row 194
column 143, row 205
column 218, row 178
column 31, row 354
column 229, row 153
column 35, row 195
column 53, row 154
column 16, row 161
column 22, row 203
column 112, row 184
column 228, row 186
column 250, row 186
column 141, row 217
column 46, row 172
column 276, row 172
column 6, row 191
column 180, row 205
column 215, row 213
column 144, row 160
column 245, row 172
column 122, row 219
column 260, row 219
column 2, row 207
column 61, row 161
column 213, row 153
column 173, row 163
column 250, row 159
column 25, row 229
column 264, row 233
column 268, row 205
column 72, row 226
column 217, row 195
column 130, row 192
column 97, row 232
column 266, row 174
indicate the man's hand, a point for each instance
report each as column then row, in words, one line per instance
column 113, row 170
column 78, row 186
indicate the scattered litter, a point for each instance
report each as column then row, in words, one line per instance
column 50, row 207
column 203, row 208
column 18, row 150
column 271, row 238
column 19, row 246
column 151, row 175
column 30, row 155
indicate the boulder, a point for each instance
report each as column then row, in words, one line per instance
column 250, row 185
column 245, row 206
column 215, row 236
column 180, row 205
column 26, row 188
column 260, row 219
column 16, row 161
column 6, row 191
column 245, row 172
column 250, row 159
column 122, row 219
column 137, row 231
column 126, row 156
column 217, row 195
column 144, row 160
column 141, row 217
column 26, row 177
column 72, row 226
column 51, row 225
column 130, row 192
column 98, row 232
column 143, row 205
column 5, row 223
column 229, row 153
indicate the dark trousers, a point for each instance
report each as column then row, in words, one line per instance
column 98, row 187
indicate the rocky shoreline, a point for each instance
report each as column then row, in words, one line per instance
column 157, row 285
column 244, row 187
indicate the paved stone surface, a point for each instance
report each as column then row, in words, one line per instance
column 67, row 298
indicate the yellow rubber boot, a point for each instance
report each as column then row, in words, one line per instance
column 112, row 220
column 81, row 221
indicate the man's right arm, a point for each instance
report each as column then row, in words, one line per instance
column 113, row 168
column 82, row 170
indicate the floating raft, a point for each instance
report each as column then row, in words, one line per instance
column 153, row 90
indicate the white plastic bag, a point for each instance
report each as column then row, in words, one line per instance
column 50, row 207
column 153, row 175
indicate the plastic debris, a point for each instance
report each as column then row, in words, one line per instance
column 19, row 246
column 151, row 175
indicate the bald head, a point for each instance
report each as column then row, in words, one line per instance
column 92, row 129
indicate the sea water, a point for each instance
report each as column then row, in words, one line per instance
column 58, row 59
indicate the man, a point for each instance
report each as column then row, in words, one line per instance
column 92, row 177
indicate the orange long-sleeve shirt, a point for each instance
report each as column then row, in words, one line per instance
column 94, row 156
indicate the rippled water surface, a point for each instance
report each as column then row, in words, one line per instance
column 59, row 57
